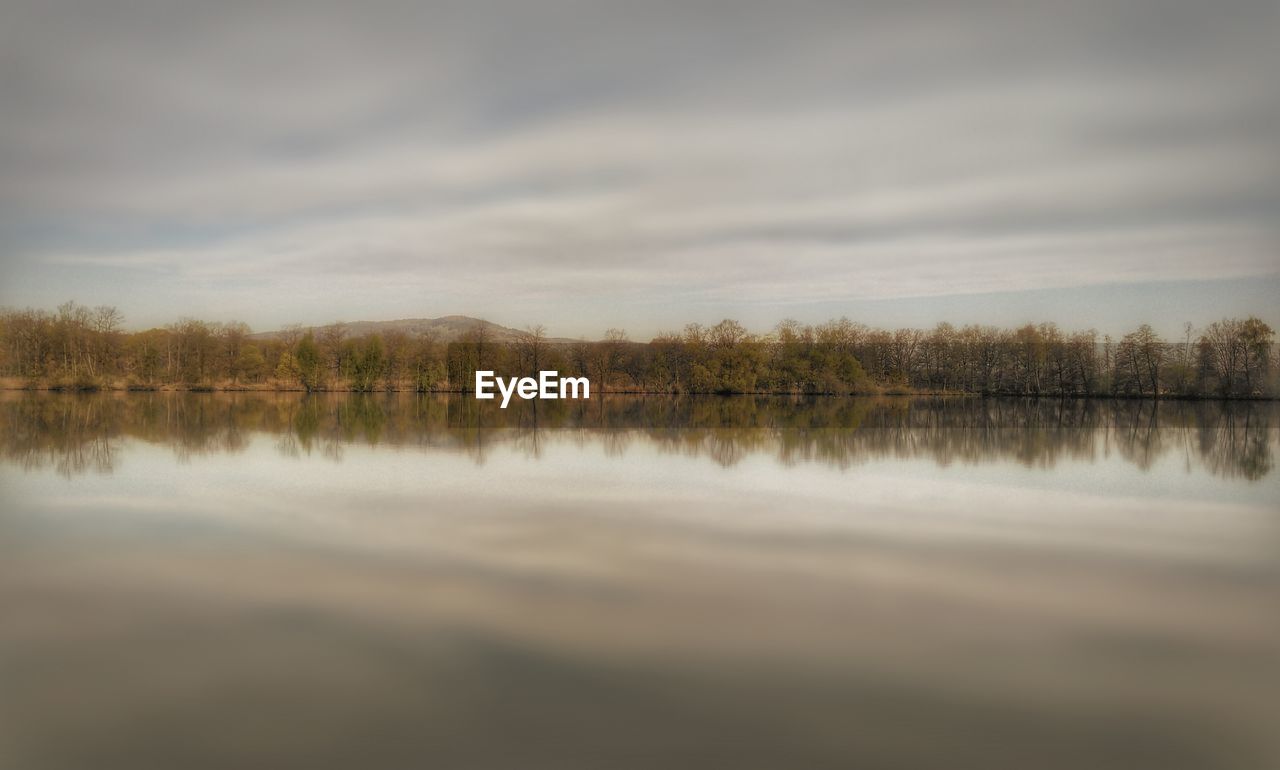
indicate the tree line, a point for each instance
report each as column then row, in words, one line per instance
column 78, row 347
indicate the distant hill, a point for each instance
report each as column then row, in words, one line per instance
column 449, row 328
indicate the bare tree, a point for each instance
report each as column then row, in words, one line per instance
column 531, row 346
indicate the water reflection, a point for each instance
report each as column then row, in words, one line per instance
column 260, row 580
column 78, row 434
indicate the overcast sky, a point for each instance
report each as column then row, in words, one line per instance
column 643, row 164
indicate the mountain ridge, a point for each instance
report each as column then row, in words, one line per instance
column 447, row 328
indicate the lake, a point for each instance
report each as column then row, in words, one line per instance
column 401, row 581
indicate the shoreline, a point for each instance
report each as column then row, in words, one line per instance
column 888, row 393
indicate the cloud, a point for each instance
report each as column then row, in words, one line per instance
column 658, row 154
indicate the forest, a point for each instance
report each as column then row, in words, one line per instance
column 86, row 348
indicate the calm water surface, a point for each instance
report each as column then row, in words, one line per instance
column 209, row 581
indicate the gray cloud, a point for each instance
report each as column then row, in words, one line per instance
column 557, row 159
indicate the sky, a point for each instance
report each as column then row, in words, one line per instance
column 641, row 165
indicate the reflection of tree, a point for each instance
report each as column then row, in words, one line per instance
column 97, row 454
column 360, row 418
column 1237, row 444
column 36, row 433
column 1137, row 432
column 76, row 434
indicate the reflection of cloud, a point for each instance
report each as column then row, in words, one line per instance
column 779, row 153
column 251, row 623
